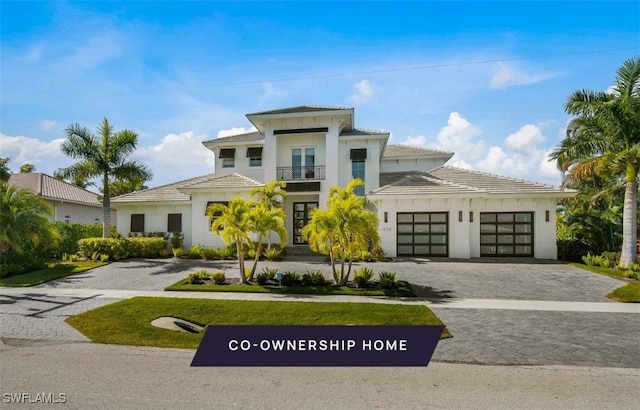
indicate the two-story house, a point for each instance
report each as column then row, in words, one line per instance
column 424, row 207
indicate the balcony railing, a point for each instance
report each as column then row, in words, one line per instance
column 300, row 173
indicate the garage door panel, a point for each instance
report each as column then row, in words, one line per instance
column 422, row 233
column 506, row 234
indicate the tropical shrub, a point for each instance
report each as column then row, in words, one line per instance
column 198, row 277
column 313, row 278
column 176, row 240
column 291, row 279
column 195, row 252
column 94, row 256
column 274, row 254
column 218, row 278
column 104, row 257
column 387, row 280
column 362, row 277
column 177, row 252
column 378, row 253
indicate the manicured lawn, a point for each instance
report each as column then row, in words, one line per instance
column 129, row 322
column 611, row 272
column 403, row 290
column 53, row 271
column 627, row 293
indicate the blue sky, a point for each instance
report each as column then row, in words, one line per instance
column 485, row 80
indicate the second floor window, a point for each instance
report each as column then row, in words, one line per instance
column 358, row 157
column 228, row 156
column 303, row 162
column 255, row 156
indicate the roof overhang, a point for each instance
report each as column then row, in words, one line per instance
column 346, row 115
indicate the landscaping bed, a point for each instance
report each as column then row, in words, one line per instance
column 129, row 322
column 312, row 283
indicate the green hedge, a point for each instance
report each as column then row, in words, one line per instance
column 146, row 247
column 71, row 233
column 124, row 247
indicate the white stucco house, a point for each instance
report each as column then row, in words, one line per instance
column 425, row 208
column 69, row 203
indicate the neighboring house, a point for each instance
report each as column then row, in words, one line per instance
column 69, row 202
column 424, row 208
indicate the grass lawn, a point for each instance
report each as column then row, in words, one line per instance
column 129, row 322
column 627, row 293
column 611, row 272
column 404, row 289
column 53, row 271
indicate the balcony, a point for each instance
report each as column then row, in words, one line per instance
column 300, row 173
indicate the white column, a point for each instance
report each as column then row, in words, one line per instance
column 270, row 155
column 332, row 162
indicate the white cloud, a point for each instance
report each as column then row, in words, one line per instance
column 95, row 51
column 364, row 92
column 458, row 136
column 419, row 141
column 509, row 76
column 32, row 150
column 46, row 125
column 611, row 90
column 180, row 150
column 269, row 91
column 525, row 139
column 235, row 131
column 548, row 168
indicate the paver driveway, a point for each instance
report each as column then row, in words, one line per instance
column 491, row 336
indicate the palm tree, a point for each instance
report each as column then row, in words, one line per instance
column 343, row 230
column 604, row 138
column 271, row 195
column 23, row 219
column 233, row 225
column 104, row 155
column 263, row 221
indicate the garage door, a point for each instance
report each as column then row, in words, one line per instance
column 506, row 234
column 422, row 233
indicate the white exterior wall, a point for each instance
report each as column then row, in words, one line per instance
column 242, row 163
column 464, row 237
column 201, row 231
column 371, row 164
column 410, row 164
column 155, row 218
column 78, row 213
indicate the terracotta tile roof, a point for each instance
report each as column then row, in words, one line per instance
column 411, row 151
column 178, row 191
column 52, row 188
column 301, row 109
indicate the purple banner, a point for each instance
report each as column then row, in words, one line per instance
column 317, row 346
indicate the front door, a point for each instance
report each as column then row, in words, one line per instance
column 301, row 212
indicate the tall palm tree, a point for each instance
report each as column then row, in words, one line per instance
column 263, row 221
column 103, row 155
column 23, row 219
column 604, row 138
column 343, row 230
column 233, row 225
column 271, row 196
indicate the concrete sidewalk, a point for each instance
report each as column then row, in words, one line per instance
column 500, row 304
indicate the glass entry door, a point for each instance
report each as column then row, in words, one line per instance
column 301, row 212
